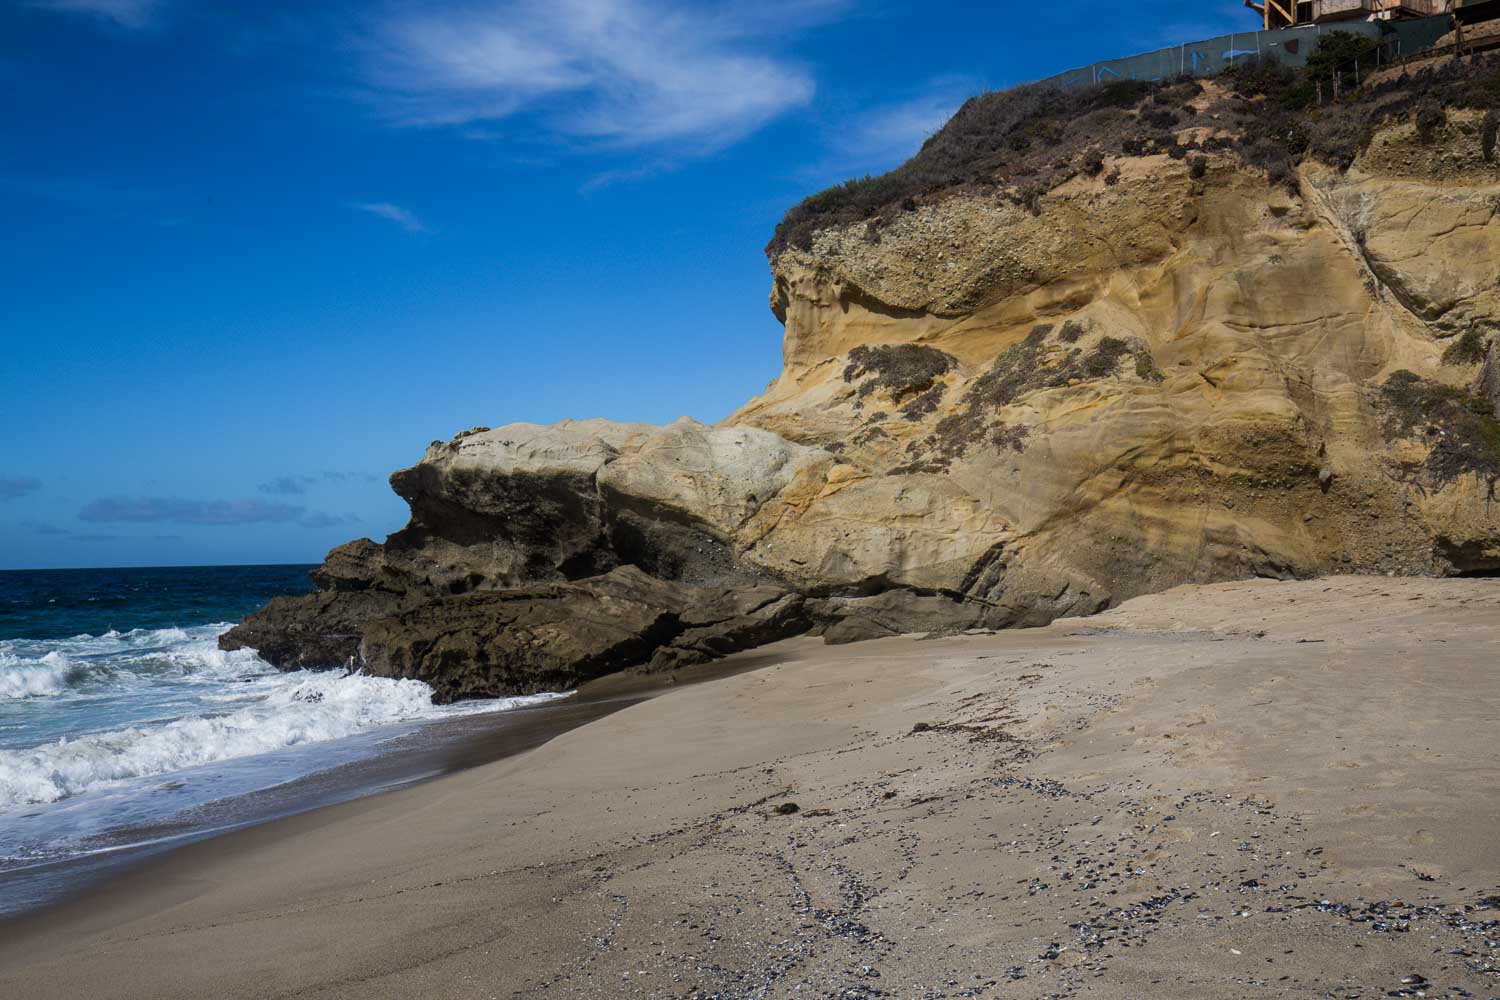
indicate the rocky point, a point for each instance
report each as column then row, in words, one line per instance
column 1002, row 401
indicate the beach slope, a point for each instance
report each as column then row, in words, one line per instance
column 1252, row 789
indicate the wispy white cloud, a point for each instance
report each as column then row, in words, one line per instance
column 177, row 510
column 287, row 486
column 127, row 13
column 13, row 488
column 894, row 132
column 152, row 510
column 626, row 73
column 404, row 218
column 1206, row 21
column 320, row 519
column 883, row 136
column 297, row 485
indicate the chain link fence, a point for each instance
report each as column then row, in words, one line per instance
column 1291, row 46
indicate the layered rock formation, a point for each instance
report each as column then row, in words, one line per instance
column 993, row 412
column 540, row 557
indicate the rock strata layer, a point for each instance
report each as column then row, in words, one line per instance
column 990, row 415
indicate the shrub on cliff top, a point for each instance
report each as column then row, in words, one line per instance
column 1021, row 143
column 998, row 137
column 1334, row 131
column 1428, row 118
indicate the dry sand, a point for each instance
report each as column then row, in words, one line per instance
column 1248, row 790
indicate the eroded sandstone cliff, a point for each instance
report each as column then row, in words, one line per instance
column 999, row 405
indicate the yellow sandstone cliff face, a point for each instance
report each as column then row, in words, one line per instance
column 989, row 415
column 1156, row 381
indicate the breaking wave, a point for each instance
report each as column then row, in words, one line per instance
column 166, row 700
column 86, row 664
column 46, row 677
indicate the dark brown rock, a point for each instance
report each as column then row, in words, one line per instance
column 858, row 619
column 556, row 636
column 548, row 638
column 318, row 631
column 736, row 621
column 1488, row 384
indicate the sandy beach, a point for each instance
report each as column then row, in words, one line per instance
column 1244, row 790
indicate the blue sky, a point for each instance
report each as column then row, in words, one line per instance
column 257, row 254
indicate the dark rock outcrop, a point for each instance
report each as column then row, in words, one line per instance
column 892, row 613
column 547, row 638
column 734, row 621
column 318, row 631
column 555, row 636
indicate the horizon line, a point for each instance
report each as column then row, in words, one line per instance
column 88, row 569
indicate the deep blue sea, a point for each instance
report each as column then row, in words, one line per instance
column 122, row 721
column 61, row 603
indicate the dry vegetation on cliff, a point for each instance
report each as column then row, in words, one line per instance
column 1022, row 369
column 902, row 370
column 1021, row 143
column 1461, row 427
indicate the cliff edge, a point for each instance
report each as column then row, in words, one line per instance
column 1085, row 346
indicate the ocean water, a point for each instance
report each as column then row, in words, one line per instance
column 122, row 722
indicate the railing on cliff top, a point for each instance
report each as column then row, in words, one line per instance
column 1291, row 46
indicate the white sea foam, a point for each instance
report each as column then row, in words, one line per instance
column 280, row 711
column 134, row 705
column 46, row 676
column 60, row 667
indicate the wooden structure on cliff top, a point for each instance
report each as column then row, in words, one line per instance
column 1295, row 13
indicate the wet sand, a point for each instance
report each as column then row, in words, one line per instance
column 421, row 754
column 1255, row 789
